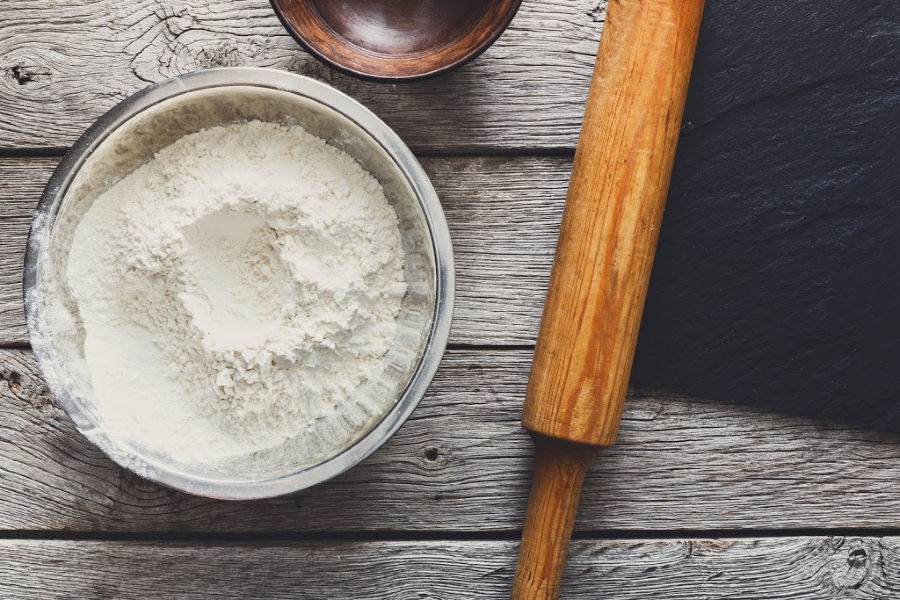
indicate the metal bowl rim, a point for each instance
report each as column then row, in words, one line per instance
column 444, row 276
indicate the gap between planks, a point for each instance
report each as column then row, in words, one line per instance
column 786, row 568
column 336, row 535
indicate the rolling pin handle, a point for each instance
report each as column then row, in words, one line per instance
column 559, row 470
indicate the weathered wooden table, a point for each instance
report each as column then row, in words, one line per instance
column 697, row 500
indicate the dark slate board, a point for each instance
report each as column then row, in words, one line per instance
column 777, row 279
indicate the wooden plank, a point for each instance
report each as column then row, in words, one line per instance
column 503, row 215
column 462, row 463
column 824, row 568
column 64, row 64
column 21, row 184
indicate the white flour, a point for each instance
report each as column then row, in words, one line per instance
column 234, row 289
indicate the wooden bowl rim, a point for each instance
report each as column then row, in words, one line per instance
column 497, row 31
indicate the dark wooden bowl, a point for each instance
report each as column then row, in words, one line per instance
column 395, row 40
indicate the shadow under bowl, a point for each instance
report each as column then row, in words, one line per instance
column 395, row 40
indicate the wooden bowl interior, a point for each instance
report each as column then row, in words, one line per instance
column 396, row 39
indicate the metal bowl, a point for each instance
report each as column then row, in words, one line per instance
column 126, row 137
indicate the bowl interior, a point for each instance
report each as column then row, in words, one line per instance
column 396, row 39
column 53, row 317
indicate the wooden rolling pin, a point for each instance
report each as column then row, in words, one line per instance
column 599, row 280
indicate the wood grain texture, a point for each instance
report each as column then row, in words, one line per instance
column 65, row 63
column 21, row 183
column 462, row 462
column 820, row 568
column 388, row 40
column 611, row 222
column 503, row 215
column 559, row 470
column 601, row 271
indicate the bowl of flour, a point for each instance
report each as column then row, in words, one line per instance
column 239, row 283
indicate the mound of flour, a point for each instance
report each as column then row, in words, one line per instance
column 234, row 289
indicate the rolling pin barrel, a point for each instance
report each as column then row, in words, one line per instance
column 604, row 255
